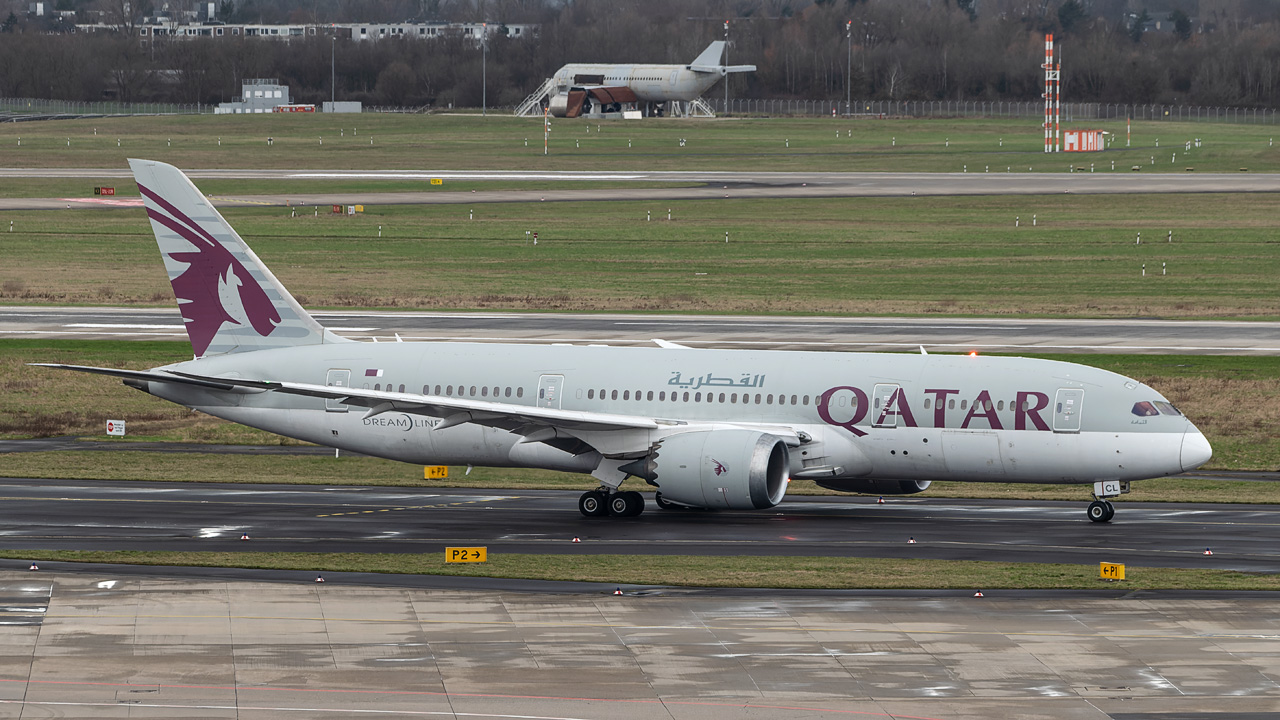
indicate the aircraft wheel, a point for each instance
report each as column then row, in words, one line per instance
column 592, row 504
column 626, row 504
column 1098, row 511
column 664, row 503
column 1111, row 510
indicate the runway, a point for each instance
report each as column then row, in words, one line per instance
column 89, row 515
column 703, row 185
column 1018, row 335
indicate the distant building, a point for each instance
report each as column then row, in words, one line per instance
column 201, row 23
column 260, row 95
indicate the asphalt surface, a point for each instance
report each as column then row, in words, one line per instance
column 90, row 515
column 707, row 185
column 807, row 333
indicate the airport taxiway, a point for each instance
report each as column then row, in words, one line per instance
column 98, row 643
column 747, row 332
column 103, row 515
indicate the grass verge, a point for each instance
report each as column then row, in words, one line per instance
column 695, row 571
column 507, row 143
column 847, row 256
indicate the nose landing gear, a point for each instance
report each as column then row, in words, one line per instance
column 1101, row 510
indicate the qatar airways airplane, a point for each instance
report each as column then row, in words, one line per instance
column 706, row 428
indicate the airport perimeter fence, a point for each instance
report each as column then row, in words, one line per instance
column 1071, row 112
column 16, row 109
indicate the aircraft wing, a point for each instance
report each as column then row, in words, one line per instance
column 523, row 419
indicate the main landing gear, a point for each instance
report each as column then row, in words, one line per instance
column 1101, row 510
column 598, row 503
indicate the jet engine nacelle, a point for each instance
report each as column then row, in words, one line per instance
column 728, row 469
column 875, row 487
column 558, row 105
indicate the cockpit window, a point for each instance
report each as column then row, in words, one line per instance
column 1145, row 409
column 1167, row 408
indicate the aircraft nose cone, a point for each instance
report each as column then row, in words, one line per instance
column 1195, row 450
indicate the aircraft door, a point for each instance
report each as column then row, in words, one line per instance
column 549, row 387
column 881, row 414
column 337, row 378
column 1066, row 410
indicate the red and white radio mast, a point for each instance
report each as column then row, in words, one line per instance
column 1052, row 98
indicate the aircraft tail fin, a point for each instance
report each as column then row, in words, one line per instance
column 711, row 56
column 230, row 301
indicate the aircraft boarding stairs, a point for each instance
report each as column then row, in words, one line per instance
column 532, row 105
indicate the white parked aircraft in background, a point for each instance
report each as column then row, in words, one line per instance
column 707, row 428
column 582, row 87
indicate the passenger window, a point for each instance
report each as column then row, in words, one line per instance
column 519, row 392
column 804, row 400
column 484, row 392
column 426, row 390
column 401, row 387
column 686, row 397
column 508, row 392
column 614, row 395
column 377, row 386
column 733, row 398
column 768, row 399
column 626, row 394
column 927, row 403
column 437, row 390
column 697, row 397
column 591, row 394
column 793, row 399
column 649, row 396
column 721, row 397
column 1000, row 405
column 662, row 396
column 964, row 404
column 495, row 392
column 757, row 398
column 473, row 391
column 449, row 391
column 951, row 405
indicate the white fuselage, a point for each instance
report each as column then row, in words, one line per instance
column 870, row 415
column 650, row 83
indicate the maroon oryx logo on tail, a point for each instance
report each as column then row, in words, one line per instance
column 215, row 288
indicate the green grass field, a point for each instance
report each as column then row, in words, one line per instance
column 868, row 256
column 499, row 142
column 696, row 571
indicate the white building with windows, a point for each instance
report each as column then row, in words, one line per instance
column 259, row 95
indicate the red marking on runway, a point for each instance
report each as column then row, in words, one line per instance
column 427, row 693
